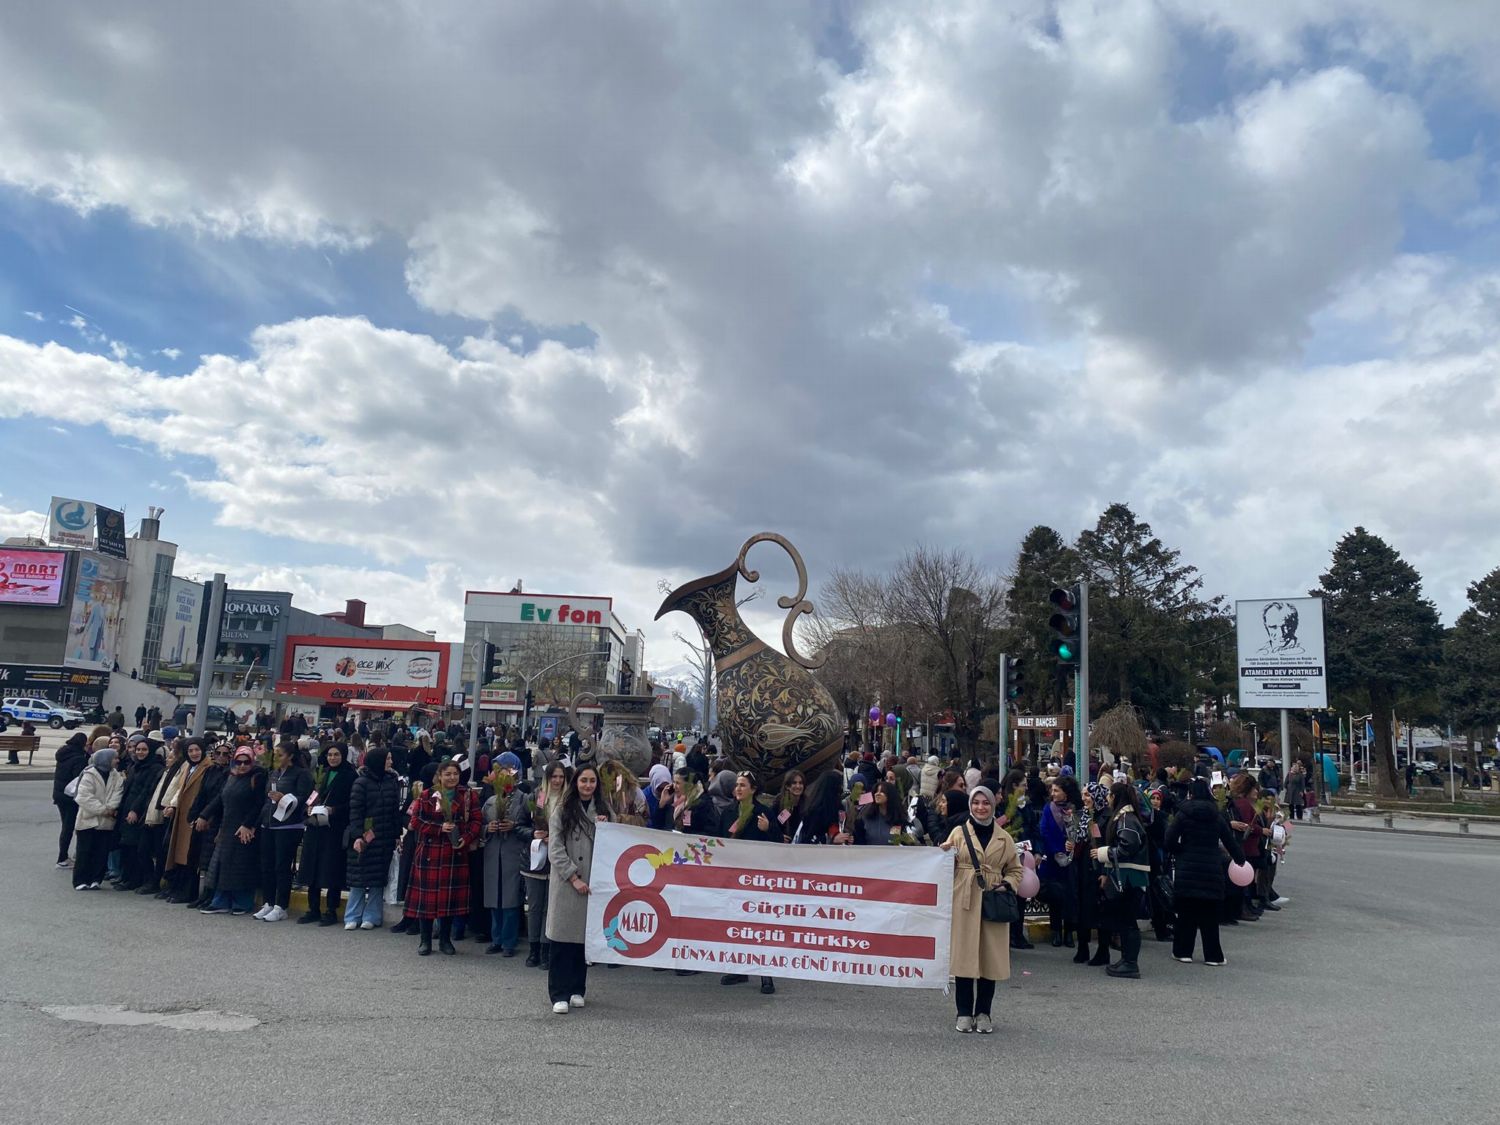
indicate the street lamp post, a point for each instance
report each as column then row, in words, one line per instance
column 528, row 680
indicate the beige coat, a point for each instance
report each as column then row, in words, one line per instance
column 165, row 796
column 99, row 800
column 980, row 948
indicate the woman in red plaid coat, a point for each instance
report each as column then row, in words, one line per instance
column 440, row 868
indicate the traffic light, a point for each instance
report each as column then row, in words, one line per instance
column 1064, row 624
column 490, row 664
column 1014, row 680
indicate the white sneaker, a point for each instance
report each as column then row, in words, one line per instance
column 576, row 1001
column 983, row 1025
column 1217, row 964
column 1280, row 900
column 367, row 925
column 560, row 1008
column 260, row 915
column 276, row 915
column 93, row 886
column 81, row 887
column 964, row 1024
column 1184, row 960
column 63, row 863
column 351, row 925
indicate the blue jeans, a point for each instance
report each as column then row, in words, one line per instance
column 505, row 927
column 364, row 905
column 235, row 900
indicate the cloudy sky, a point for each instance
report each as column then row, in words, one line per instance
column 393, row 299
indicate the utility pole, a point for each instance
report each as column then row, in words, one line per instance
column 1081, row 702
column 481, row 651
column 206, row 656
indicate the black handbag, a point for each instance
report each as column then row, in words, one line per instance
column 996, row 904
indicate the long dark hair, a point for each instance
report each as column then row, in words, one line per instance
column 1069, row 786
column 1123, row 795
column 821, row 802
column 573, row 817
column 895, row 807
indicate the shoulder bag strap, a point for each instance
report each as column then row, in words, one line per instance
column 974, row 859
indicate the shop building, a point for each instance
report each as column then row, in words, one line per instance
column 558, row 644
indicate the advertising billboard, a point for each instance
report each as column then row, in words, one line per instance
column 1282, row 664
column 180, row 634
column 110, row 531
column 70, row 523
column 339, row 668
column 29, row 577
column 536, row 609
column 94, row 626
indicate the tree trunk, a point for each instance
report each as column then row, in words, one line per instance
column 1385, row 782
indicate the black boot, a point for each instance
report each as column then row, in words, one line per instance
column 1082, row 955
column 1101, row 955
column 1126, row 969
column 445, row 937
column 534, row 955
column 424, row 947
column 767, row 986
column 405, row 926
column 1057, row 938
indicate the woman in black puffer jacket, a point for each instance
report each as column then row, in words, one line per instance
column 374, row 824
column 1194, row 838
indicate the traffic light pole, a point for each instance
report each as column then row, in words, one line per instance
column 1002, row 722
column 479, row 654
column 1081, row 690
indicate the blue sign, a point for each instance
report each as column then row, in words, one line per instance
column 547, row 728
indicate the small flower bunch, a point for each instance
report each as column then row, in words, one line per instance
column 369, row 829
column 1012, row 813
column 747, row 810
column 851, row 805
column 504, row 782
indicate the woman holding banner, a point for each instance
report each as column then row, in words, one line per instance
column 986, row 859
column 570, row 846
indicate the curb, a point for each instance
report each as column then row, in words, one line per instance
column 1398, row 831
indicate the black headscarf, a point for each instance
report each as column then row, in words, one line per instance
column 957, row 804
column 374, row 764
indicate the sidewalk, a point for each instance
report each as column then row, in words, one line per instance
column 1479, row 828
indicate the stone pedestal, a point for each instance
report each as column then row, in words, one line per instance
column 624, row 737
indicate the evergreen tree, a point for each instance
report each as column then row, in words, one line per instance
column 1142, row 602
column 1471, row 658
column 1382, row 635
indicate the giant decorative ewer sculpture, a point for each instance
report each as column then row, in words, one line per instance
column 773, row 716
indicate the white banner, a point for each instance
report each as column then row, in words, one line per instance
column 1281, row 656
column 332, row 662
column 848, row 915
column 70, row 523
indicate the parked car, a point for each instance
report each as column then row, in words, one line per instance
column 29, row 708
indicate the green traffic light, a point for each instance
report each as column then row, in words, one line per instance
column 1064, row 650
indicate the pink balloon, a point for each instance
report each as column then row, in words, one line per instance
column 1241, row 874
column 1028, row 861
column 1030, row 884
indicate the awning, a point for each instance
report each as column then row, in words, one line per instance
column 383, row 705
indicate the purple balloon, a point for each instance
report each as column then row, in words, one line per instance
column 890, row 719
column 874, row 714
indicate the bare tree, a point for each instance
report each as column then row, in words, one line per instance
column 576, row 667
column 958, row 606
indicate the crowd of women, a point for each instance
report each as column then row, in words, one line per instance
column 503, row 854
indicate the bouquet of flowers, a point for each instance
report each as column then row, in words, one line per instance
column 852, row 804
column 369, row 829
column 1012, row 813
column 503, row 782
column 689, row 796
column 747, row 810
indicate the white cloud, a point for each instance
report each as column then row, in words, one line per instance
column 33, row 315
column 1002, row 264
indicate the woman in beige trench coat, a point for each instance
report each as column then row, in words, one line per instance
column 980, row 950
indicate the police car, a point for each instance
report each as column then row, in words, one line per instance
column 26, row 708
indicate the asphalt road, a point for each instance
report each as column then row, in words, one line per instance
column 1371, row 998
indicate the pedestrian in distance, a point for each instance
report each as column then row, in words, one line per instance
column 980, row 951
column 72, row 760
column 1194, row 839
column 1124, row 857
column 291, row 783
column 180, row 860
column 135, row 839
column 446, row 824
column 538, row 873
column 206, row 829
column 371, row 834
column 324, row 857
column 571, row 827
column 237, row 810
column 507, row 854
column 100, row 789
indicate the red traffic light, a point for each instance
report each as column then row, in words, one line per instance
column 1063, row 600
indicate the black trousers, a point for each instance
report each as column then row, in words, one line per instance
column 277, row 856
column 68, row 812
column 319, row 846
column 1120, row 915
column 135, row 859
column 94, row 845
column 568, row 973
column 1195, row 916
column 971, row 1001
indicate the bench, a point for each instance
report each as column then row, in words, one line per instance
column 20, row 744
